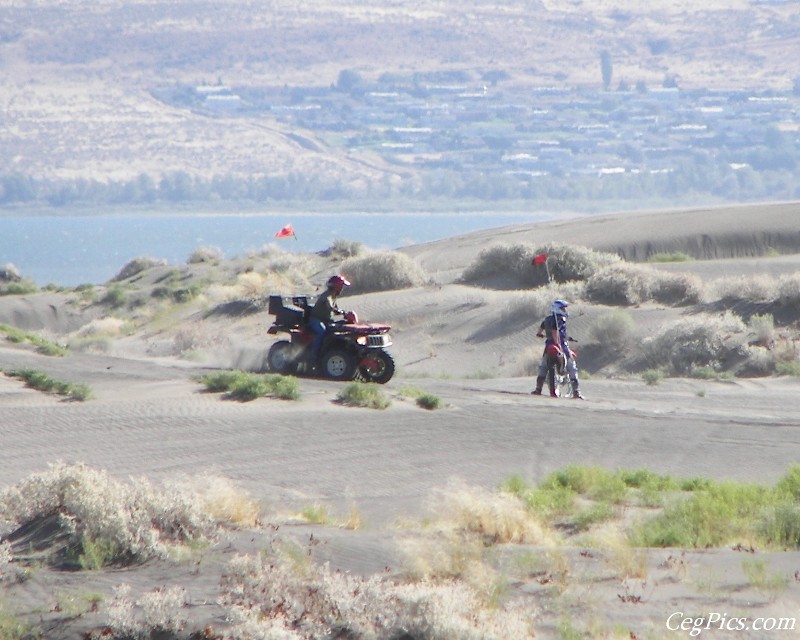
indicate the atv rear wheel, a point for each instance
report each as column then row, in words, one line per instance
column 338, row 364
column 376, row 366
column 282, row 358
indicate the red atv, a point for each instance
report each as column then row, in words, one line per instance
column 351, row 349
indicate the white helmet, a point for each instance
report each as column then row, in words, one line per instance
column 559, row 308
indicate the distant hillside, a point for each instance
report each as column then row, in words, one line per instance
column 82, row 84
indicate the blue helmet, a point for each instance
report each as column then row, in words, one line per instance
column 559, row 308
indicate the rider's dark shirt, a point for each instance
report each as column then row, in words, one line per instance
column 324, row 307
column 554, row 321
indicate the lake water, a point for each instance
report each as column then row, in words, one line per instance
column 73, row 250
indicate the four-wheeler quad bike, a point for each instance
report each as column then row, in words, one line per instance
column 351, row 350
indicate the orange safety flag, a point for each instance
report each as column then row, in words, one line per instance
column 540, row 259
column 286, row 232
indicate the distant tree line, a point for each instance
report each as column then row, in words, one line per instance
column 775, row 179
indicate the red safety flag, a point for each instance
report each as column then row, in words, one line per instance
column 285, row 232
column 540, row 259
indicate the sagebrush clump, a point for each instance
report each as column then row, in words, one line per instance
column 630, row 284
column 136, row 266
column 383, row 271
column 698, row 341
column 512, row 263
column 131, row 521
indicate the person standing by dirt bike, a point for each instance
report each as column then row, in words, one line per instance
column 554, row 329
column 323, row 311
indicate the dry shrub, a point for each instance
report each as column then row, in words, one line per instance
column 629, row 284
column 621, row 284
column 494, row 516
column 789, row 291
column 575, row 262
column 136, row 266
column 222, row 499
column 205, row 254
column 277, row 259
column 699, row 341
column 530, row 307
column 502, row 261
column 754, row 288
column 135, row 520
column 759, row 361
column 250, row 284
column 677, row 288
column 566, row 263
column 277, row 596
column 197, row 336
column 383, row 271
column 108, row 326
column 613, row 328
column 529, row 359
column 161, row 612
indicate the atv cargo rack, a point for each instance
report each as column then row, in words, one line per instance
column 289, row 311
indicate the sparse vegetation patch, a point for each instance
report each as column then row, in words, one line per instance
column 246, row 386
column 97, row 520
column 363, row 394
column 41, row 381
column 13, row 334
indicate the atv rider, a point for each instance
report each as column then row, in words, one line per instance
column 554, row 328
column 323, row 310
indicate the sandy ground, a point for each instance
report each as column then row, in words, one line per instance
column 149, row 417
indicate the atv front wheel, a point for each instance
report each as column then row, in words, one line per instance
column 337, row 364
column 282, row 358
column 376, row 366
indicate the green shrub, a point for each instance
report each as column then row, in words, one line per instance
column 363, row 394
column 788, row 368
column 595, row 482
column 21, row 288
column 115, row 296
column 652, row 377
column 245, row 386
column 763, row 326
column 40, row 381
column 13, row 334
column 723, row 513
column 549, row 503
column 670, row 256
column 429, row 401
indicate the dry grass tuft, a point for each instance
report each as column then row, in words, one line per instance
column 493, row 516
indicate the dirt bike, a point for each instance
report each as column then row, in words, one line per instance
column 557, row 367
column 351, row 350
